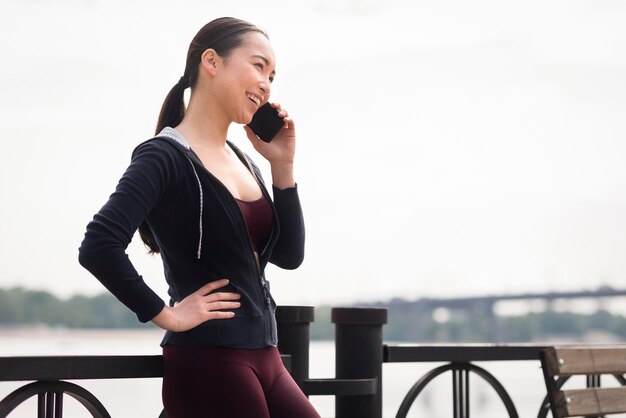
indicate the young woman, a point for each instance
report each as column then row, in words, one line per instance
column 201, row 203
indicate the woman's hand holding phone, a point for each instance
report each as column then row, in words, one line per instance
column 281, row 150
column 266, row 122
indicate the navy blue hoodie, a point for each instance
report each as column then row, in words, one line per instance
column 202, row 236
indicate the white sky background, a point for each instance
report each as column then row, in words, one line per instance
column 445, row 148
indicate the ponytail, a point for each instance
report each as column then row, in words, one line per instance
column 173, row 109
column 146, row 235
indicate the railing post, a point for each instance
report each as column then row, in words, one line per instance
column 294, row 337
column 359, row 355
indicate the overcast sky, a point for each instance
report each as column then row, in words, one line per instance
column 445, row 148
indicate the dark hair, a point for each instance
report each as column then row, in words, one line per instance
column 223, row 35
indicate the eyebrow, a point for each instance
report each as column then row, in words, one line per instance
column 266, row 62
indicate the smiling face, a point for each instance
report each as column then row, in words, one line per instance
column 242, row 80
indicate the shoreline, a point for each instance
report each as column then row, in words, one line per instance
column 43, row 330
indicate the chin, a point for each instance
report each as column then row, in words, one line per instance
column 245, row 119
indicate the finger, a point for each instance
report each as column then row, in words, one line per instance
column 219, row 306
column 275, row 105
column 220, row 315
column 289, row 124
column 256, row 142
column 252, row 136
column 222, row 296
column 209, row 287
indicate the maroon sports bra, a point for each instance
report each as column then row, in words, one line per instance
column 258, row 215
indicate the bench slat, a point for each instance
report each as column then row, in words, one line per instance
column 573, row 361
column 592, row 401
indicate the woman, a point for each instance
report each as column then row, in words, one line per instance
column 200, row 202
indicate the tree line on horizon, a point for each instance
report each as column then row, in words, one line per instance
column 20, row 307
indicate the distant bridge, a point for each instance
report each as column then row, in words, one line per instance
column 421, row 310
column 482, row 301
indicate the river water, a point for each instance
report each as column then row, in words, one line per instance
column 141, row 398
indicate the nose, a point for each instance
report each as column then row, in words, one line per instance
column 265, row 88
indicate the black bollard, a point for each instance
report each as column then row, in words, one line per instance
column 294, row 337
column 359, row 355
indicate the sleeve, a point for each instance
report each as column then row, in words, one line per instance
column 103, row 250
column 288, row 252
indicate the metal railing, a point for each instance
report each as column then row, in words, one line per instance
column 460, row 359
column 359, row 357
column 50, row 375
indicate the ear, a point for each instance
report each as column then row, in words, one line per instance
column 210, row 61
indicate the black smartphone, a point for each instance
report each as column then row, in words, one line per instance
column 266, row 123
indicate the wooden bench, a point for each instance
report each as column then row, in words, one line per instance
column 560, row 363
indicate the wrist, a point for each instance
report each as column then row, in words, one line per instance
column 165, row 319
column 282, row 175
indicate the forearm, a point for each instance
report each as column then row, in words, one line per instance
column 289, row 250
column 104, row 257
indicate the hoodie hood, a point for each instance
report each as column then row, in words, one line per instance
column 174, row 135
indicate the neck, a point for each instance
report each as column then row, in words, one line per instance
column 205, row 125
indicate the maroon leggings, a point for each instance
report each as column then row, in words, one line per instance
column 213, row 382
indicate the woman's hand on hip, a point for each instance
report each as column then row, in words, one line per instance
column 198, row 307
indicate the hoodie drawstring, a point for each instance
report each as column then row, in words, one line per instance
column 201, row 206
column 176, row 136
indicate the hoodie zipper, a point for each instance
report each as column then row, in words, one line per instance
column 191, row 156
column 257, row 266
column 274, row 220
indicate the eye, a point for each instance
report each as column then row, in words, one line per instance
column 262, row 68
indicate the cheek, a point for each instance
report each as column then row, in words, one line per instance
column 249, row 76
column 241, row 82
